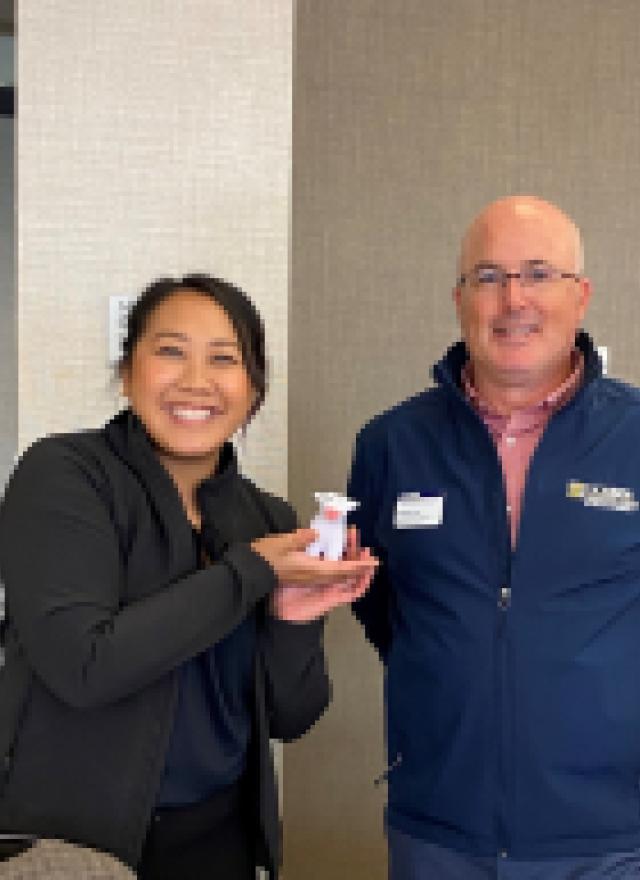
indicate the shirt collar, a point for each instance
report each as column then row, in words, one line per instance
column 551, row 403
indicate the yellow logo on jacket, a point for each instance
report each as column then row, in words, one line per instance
column 607, row 497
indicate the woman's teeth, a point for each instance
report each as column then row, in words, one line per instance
column 191, row 415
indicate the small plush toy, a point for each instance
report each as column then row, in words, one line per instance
column 331, row 524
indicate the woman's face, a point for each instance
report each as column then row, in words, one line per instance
column 186, row 380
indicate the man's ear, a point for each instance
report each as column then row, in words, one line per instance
column 586, row 290
column 456, row 295
column 124, row 377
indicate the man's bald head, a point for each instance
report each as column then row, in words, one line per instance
column 515, row 215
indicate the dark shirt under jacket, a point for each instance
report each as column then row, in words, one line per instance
column 104, row 606
column 212, row 724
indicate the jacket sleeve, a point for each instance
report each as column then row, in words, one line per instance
column 60, row 561
column 297, row 687
column 373, row 609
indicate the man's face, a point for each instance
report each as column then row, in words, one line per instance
column 520, row 336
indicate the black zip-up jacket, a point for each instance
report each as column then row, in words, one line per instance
column 104, row 602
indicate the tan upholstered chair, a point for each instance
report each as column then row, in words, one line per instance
column 58, row 860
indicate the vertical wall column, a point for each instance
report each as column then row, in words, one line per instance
column 155, row 139
column 8, row 353
column 8, row 330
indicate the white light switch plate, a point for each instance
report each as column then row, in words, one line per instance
column 118, row 313
column 603, row 354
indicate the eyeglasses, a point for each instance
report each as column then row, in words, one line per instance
column 535, row 274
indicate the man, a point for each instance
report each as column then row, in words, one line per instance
column 503, row 504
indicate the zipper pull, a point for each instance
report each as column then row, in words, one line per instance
column 384, row 777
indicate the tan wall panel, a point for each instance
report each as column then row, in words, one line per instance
column 408, row 117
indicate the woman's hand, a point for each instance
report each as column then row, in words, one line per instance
column 301, row 604
column 286, row 555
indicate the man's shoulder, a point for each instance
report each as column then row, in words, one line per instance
column 410, row 411
column 611, row 392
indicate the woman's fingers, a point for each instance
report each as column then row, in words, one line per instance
column 300, row 568
column 353, row 548
column 300, row 539
column 304, row 603
column 286, row 555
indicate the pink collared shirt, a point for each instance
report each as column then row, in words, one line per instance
column 516, row 436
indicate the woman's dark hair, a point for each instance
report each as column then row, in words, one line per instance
column 241, row 312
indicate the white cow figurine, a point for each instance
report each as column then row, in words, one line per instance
column 331, row 524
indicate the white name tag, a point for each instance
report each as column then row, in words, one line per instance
column 415, row 511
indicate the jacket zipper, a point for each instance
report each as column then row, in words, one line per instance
column 504, row 602
column 384, row 777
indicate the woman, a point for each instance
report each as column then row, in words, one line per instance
column 161, row 611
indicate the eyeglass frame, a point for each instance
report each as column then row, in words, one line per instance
column 558, row 274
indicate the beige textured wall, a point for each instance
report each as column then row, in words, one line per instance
column 154, row 138
column 408, row 117
column 8, row 360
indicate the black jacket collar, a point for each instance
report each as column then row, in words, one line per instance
column 228, row 507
